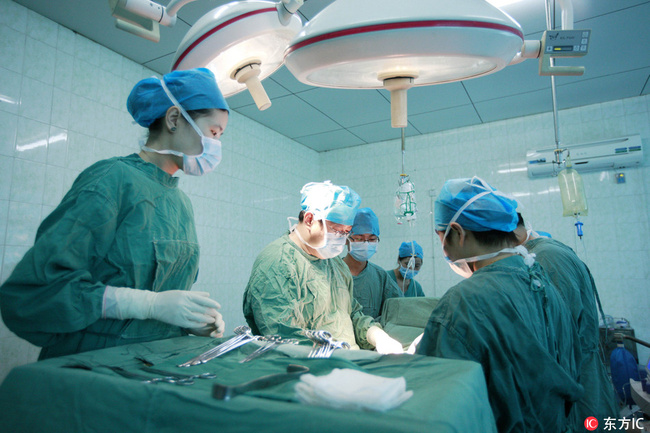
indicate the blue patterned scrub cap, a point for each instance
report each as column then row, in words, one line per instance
column 483, row 207
column 366, row 222
column 412, row 248
column 194, row 89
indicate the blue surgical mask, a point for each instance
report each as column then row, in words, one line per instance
column 194, row 165
column 407, row 274
column 362, row 251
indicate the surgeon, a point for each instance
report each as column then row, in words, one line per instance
column 409, row 262
column 114, row 263
column 505, row 315
column 299, row 282
column 575, row 283
column 372, row 286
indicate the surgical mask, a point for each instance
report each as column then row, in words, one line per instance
column 332, row 246
column 462, row 268
column 193, row 165
column 407, row 274
column 362, row 251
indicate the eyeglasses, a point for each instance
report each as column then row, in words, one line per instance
column 338, row 232
column 367, row 241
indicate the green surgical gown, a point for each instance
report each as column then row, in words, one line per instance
column 123, row 223
column 511, row 320
column 290, row 290
column 372, row 287
column 414, row 288
column 576, row 285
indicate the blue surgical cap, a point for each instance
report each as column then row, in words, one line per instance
column 407, row 250
column 366, row 222
column 334, row 203
column 194, row 89
column 492, row 211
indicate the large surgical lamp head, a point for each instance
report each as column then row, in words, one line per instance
column 398, row 45
column 242, row 43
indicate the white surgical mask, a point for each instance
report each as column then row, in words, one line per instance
column 333, row 244
column 362, row 251
column 194, row 165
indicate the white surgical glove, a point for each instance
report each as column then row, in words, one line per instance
column 414, row 345
column 177, row 307
column 383, row 342
column 214, row 330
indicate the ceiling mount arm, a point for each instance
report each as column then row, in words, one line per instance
column 286, row 8
column 174, row 5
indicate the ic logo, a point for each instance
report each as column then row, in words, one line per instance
column 591, row 423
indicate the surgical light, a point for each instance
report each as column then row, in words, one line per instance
column 398, row 45
column 241, row 43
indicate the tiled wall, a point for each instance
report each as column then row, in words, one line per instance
column 62, row 100
column 615, row 244
column 62, row 107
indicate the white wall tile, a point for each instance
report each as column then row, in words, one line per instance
column 80, row 153
column 13, row 15
column 29, row 182
column 66, row 40
column 12, row 49
column 31, row 140
column 42, row 29
column 22, row 222
column 39, row 62
column 4, row 215
column 9, row 90
column 63, row 70
column 35, row 100
column 60, row 108
column 8, row 133
column 86, row 49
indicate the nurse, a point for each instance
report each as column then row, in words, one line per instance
column 409, row 262
column 114, row 263
column 506, row 315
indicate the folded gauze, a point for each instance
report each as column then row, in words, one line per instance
column 352, row 390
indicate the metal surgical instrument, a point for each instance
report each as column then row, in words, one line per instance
column 226, row 392
column 146, row 379
column 324, row 344
column 243, row 336
column 179, row 375
column 271, row 342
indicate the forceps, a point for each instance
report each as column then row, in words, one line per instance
column 272, row 341
column 243, row 336
column 324, row 344
column 146, row 379
column 175, row 375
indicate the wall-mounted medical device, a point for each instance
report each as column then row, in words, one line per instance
column 600, row 155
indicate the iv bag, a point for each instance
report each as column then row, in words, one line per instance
column 405, row 205
column 572, row 190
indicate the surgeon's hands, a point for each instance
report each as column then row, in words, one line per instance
column 383, row 342
column 191, row 310
column 214, row 330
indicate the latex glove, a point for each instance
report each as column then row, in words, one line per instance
column 414, row 345
column 177, row 307
column 383, row 342
column 214, row 330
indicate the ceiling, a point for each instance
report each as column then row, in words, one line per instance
column 617, row 67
